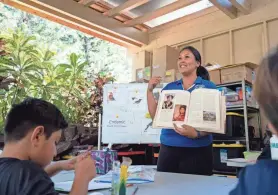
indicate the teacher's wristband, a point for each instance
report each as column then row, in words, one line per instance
column 198, row 134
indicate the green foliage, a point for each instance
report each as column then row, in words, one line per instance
column 32, row 72
column 44, row 68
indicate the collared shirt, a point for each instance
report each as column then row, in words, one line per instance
column 168, row 136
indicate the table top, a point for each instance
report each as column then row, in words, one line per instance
column 173, row 183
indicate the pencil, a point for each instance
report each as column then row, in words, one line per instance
column 136, row 189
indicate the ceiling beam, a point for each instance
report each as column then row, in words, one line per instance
column 95, row 21
column 64, row 22
column 160, row 12
column 88, row 2
column 128, row 5
column 226, row 7
column 243, row 6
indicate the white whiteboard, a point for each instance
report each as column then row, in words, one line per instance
column 125, row 115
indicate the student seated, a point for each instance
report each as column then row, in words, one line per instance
column 32, row 130
column 261, row 178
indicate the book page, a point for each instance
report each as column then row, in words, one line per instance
column 172, row 108
column 223, row 115
column 205, row 113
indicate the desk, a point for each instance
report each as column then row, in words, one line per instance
column 176, row 184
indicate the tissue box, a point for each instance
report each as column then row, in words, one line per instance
column 104, row 160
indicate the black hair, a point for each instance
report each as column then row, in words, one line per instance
column 170, row 96
column 195, row 52
column 32, row 112
column 201, row 71
column 265, row 87
column 183, row 106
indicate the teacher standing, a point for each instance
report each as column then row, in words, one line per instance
column 184, row 149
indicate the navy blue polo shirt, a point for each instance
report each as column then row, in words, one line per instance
column 258, row 179
column 168, row 136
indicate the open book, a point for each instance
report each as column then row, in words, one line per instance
column 203, row 109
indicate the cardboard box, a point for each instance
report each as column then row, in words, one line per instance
column 238, row 72
column 215, row 76
column 147, row 73
column 170, row 76
column 164, row 58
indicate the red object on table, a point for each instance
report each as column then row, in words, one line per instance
column 131, row 153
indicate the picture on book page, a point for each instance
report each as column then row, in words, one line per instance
column 209, row 116
column 168, row 101
column 179, row 112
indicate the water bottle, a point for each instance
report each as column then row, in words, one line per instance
column 116, row 177
column 274, row 147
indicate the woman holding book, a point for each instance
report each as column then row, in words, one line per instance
column 184, row 149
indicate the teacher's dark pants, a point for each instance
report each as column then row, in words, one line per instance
column 198, row 161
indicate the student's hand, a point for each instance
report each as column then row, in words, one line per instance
column 58, row 166
column 154, row 81
column 67, row 165
column 186, row 131
column 85, row 167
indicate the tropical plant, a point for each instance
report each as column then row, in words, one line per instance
column 26, row 70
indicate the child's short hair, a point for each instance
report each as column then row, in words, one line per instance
column 30, row 113
column 266, row 87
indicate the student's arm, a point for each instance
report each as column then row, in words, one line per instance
column 58, row 166
column 80, row 186
column 85, row 171
column 152, row 104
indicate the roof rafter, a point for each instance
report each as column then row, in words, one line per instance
column 160, row 12
column 243, row 6
column 88, row 2
column 226, row 7
column 128, row 5
column 86, row 17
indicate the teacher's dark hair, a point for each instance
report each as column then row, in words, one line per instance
column 201, row 71
column 195, row 52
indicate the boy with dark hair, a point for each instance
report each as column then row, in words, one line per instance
column 32, row 130
column 261, row 178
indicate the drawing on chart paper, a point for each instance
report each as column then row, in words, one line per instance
column 111, row 96
column 137, row 101
column 156, row 95
column 136, row 98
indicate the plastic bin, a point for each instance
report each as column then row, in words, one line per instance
column 235, row 125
